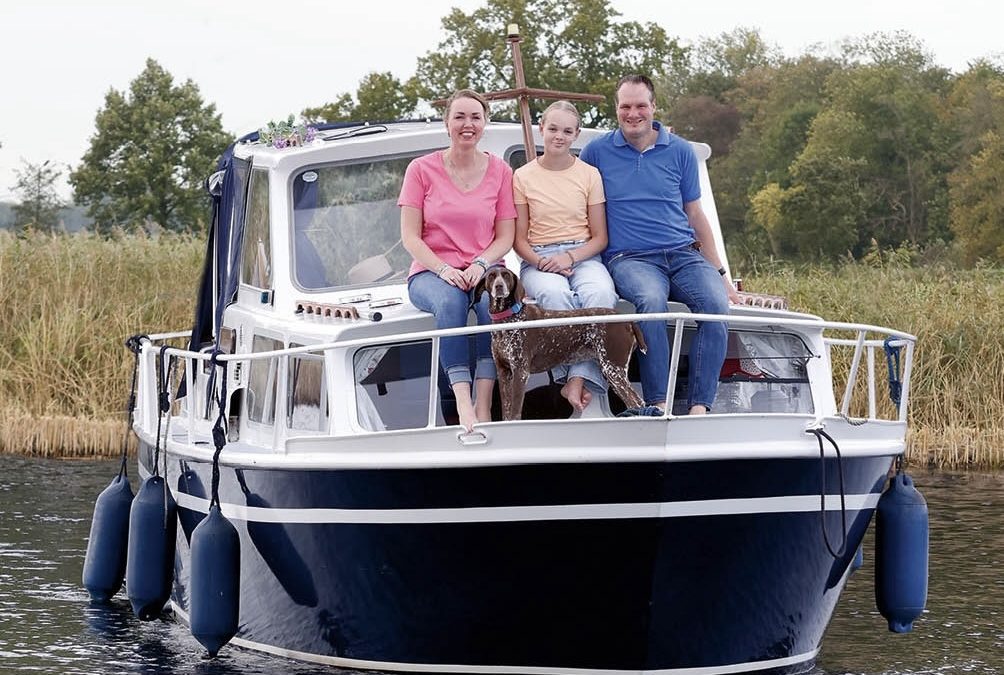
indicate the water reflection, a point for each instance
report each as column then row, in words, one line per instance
column 48, row 625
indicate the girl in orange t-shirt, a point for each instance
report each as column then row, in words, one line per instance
column 561, row 229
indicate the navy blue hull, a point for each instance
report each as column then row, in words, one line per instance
column 637, row 592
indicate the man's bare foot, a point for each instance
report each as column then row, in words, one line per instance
column 575, row 393
column 698, row 410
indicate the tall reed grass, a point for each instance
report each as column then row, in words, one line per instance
column 69, row 302
column 956, row 407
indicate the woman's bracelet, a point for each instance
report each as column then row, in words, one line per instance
column 442, row 268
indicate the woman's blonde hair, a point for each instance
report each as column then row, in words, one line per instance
column 562, row 105
column 465, row 93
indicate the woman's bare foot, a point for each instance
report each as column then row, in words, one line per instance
column 576, row 394
column 467, row 416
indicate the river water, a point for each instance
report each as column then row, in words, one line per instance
column 47, row 624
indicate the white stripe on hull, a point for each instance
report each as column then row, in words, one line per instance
column 750, row 666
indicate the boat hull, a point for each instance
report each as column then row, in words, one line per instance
column 542, row 567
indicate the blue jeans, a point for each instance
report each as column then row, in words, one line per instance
column 450, row 306
column 589, row 286
column 647, row 279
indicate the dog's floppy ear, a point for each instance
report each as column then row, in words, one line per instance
column 519, row 292
column 480, row 287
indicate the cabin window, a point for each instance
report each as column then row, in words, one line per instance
column 256, row 251
column 307, row 400
column 347, row 225
column 392, row 386
column 764, row 372
column 263, row 376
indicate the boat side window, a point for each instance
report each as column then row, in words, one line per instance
column 306, row 398
column 764, row 372
column 263, row 376
column 256, row 250
column 347, row 225
column 392, row 386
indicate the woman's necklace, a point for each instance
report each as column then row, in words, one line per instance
column 464, row 179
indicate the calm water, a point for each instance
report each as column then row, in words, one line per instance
column 48, row 626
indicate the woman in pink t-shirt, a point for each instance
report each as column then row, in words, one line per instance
column 457, row 218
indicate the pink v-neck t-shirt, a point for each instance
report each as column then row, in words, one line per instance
column 458, row 226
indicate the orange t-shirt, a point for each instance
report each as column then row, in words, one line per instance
column 558, row 200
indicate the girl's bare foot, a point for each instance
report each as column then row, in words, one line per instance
column 467, row 416
column 577, row 395
column 698, row 410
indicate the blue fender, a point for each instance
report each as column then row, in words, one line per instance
column 901, row 552
column 153, row 526
column 105, row 561
column 215, row 590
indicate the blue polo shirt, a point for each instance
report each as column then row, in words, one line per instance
column 646, row 191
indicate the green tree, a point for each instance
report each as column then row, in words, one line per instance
column 381, row 97
column 777, row 103
column 570, row 45
column 40, row 202
column 818, row 215
column 977, row 186
column 153, row 147
column 898, row 93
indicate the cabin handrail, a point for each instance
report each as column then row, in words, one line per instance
column 862, row 344
column 678, row 318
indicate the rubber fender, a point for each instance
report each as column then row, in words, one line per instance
column 153, row 526
column 215, row 589
column 901, row 554
column 107, row 546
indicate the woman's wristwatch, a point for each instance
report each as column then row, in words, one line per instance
column 480, row 260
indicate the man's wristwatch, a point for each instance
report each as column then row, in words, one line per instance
column 721, row 270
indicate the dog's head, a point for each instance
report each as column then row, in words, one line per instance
column 503, row 288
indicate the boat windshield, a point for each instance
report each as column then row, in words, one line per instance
column 347, row 226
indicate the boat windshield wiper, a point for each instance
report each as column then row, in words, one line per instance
column 356, row 131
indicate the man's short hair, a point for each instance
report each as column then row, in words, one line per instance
column 636, row 79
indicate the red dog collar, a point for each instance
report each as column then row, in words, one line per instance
column 505, row 314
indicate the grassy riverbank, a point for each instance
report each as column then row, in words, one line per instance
column 69, row 302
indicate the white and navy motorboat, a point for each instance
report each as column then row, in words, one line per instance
column 353, row 523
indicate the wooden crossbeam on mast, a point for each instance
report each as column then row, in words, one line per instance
column 522, row 93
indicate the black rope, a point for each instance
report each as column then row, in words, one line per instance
column 134, row 344
column 219, row 428
column 820, row 435
column 161, row 399
column 892, row 362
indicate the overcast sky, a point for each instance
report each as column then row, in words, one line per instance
column 263, row 60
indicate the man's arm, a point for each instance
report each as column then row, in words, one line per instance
column 702, row 229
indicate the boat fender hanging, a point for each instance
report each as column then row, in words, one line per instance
column 216, row 567
column 105, row 561
column 153, row 526
column 859, row 559
column 901, row 550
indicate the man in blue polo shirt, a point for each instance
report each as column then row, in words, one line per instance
column 661, row 246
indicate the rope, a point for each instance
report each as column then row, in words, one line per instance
column 820, row 435
column 134, row 344
column 219, row 428
column 892, row 361
column 163, row 404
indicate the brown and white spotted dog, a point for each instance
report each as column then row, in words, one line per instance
column 522, row 351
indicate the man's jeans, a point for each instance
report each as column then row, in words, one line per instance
column 450, row 305
column 647, row 279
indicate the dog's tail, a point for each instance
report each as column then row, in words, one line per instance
column 639, row 338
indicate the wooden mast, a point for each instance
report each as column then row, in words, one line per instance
column 522, row 94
